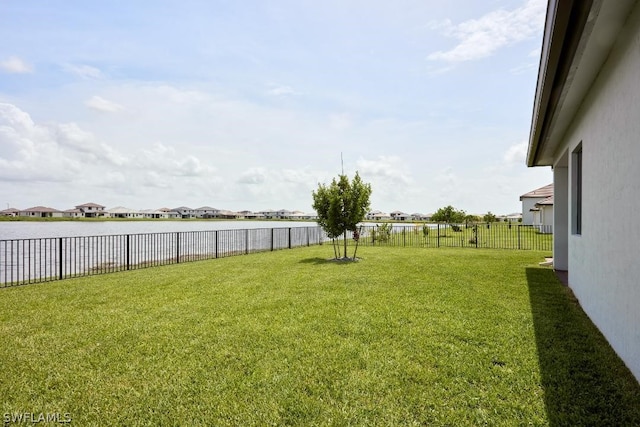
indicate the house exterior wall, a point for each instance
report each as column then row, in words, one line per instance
column 544, row 222
column 546, row 215
column 603, row 260
column 529, row 203
column 561, row 218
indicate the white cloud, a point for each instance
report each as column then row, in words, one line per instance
column 71, row 136
column 155, row 180
column 390, row 168
column 252, row 176
column 516, row 154
column 179, row 96
column 31, row 152
column 281, row 90
column 84, row 71
column 389, row 179
column 100, row 104
column 479, row 38
column 166, row 161
column 15, row 65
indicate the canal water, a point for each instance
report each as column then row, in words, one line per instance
column 10, row 230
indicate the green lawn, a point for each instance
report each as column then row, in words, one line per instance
column 493, row 236
column 405, row 336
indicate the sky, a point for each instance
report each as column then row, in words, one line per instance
column 249, row 105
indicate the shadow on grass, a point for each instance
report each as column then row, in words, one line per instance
column 584, row 381
column 315, row 260
column 319, row 260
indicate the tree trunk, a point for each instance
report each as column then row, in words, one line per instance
column 355, row 250
column 345, row 243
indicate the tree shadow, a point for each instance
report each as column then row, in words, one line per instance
column 319, row 260
column 314, row 260
column 584, row 381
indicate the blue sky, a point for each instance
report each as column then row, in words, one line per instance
column 249, row 105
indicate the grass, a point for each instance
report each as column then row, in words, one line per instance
column 497, row 236
column 402, row 337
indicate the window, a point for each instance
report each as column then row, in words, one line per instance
column 576, row 190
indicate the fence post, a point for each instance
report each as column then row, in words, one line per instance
column 60, row 262
column 475, row 233
column 289, row 237
column 519, row 235
column 272, row 239
column 216, row 243
column 246, row 241
column 438, row 235
column 128, row 255
column 177, row 247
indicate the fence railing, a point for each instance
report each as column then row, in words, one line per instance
column 24, row 261
column 484, row 235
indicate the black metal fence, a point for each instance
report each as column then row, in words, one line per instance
column 484, row 235
column 39, row 260
column 25, row 261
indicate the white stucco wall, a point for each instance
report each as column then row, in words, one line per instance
column 527, row 204
column 603, row 261
column 546, row 215
column 561, row 228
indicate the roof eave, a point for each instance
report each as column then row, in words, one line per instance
column 578, row 38
column 563, row 30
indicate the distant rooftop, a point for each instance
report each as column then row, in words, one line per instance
column 538, row 193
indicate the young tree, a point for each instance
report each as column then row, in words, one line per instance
column 469, row 218
column 341, row 206
column 449, row 214
column 489, row 217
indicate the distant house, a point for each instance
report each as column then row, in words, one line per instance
column 303, row 215
column 377, row 216
column 206, row 212
column 226, row 214
column 420, row 217
column 279, row 214
column 283, row 214
column 512, row 217
column 73, row 213
column 169, row 213
column 154, row 214
column 400, row 216
column 249, row 215
column 41, row 212
column 9, row 212
column 269, row 214
column 91, row 210
column 530, row 199
column 543, row 215
column 184, row 212
column 585, row 127
column 122, row 212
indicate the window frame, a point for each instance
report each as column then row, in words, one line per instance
column 576, row 190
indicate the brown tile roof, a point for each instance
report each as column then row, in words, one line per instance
column 548, row 201
column 90, row 205
column 539, row 193
column 40, row 209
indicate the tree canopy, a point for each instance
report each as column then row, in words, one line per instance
column 341, row 206
column 489, row 217
column 450, row 215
